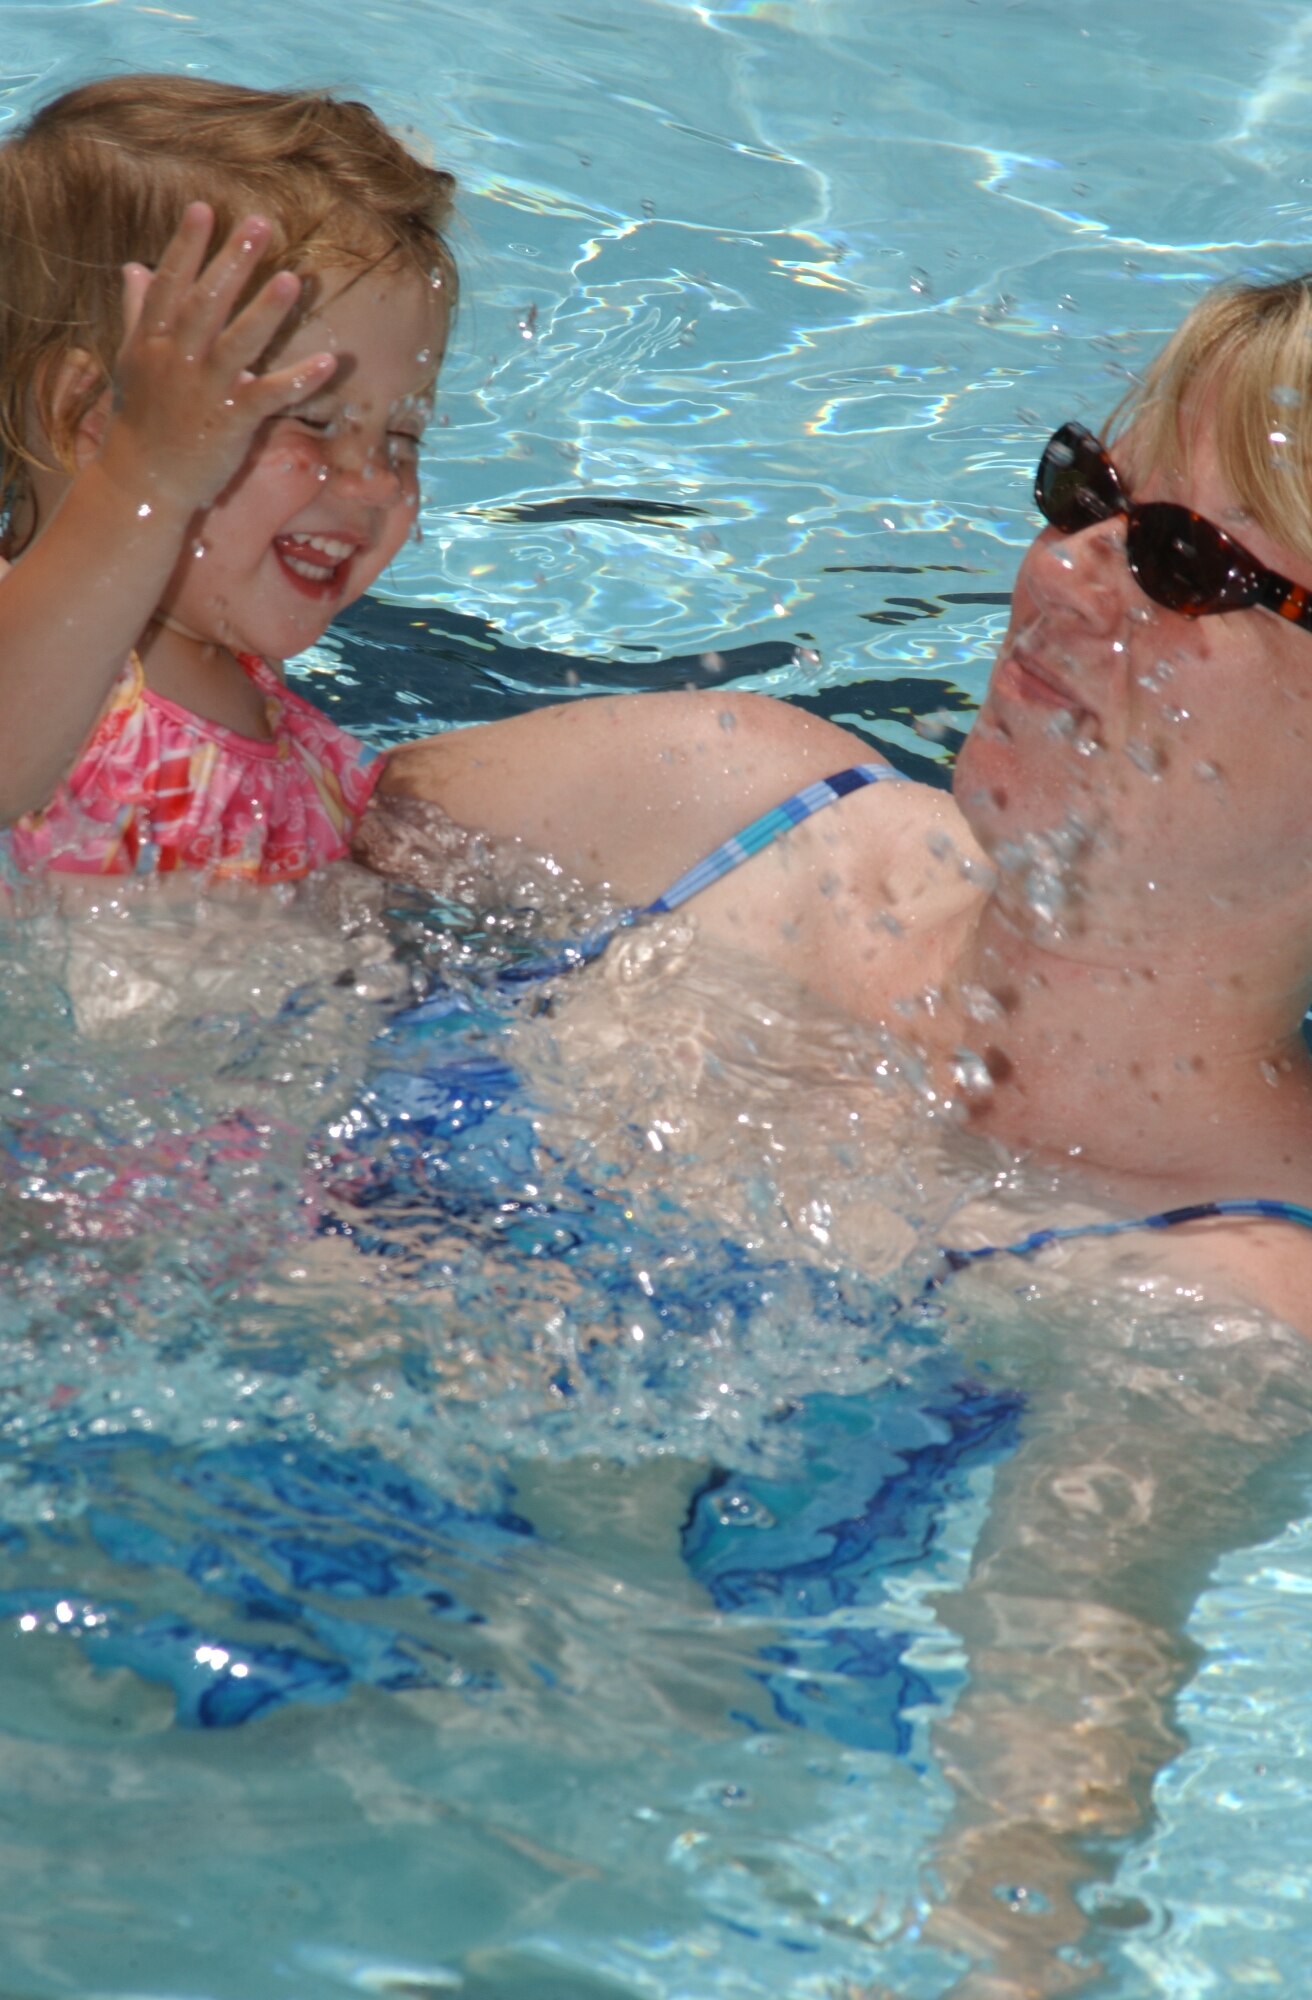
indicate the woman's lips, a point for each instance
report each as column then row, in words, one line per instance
column 1021, row 676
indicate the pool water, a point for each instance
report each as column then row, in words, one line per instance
column 471, row 1520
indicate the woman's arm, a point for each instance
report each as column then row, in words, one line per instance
column 1097, row 1543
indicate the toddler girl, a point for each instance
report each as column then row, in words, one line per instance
column 222, row 313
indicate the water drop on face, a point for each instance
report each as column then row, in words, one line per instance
column 1145, row 757
column 198, row 550
column 970, row 1073
column 144, row 511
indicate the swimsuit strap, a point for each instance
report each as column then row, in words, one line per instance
column 1166, row 1218
column 740, row 847
column 721, row 861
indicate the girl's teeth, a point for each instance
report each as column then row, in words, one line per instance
column 334, row 551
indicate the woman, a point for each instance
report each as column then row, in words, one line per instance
column 1099, row 950
column 1099, row 947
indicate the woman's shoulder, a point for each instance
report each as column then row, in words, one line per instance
column 629, row 789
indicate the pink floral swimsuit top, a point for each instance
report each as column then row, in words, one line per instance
column 157, row 788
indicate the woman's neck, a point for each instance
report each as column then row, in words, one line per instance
column 1142, row 1055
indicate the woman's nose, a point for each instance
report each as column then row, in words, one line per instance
column 1086, row 572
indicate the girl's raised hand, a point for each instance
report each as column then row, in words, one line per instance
column 186, row 400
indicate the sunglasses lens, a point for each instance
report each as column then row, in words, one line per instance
column 1185, row 564
column 1076, row 484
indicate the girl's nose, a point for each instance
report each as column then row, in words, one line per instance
column 364, row 470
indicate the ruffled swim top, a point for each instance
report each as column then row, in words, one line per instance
column 156, row 789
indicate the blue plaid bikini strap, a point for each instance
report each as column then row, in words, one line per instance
column 740, row 847
column 730, row 854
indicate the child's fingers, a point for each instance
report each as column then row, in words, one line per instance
column 207, row 307
column 136, row 283
column 283, row 389
column 245, row 338
column 178, row 267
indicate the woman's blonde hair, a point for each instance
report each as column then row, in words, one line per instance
column 1244, row 356
column 101, row 177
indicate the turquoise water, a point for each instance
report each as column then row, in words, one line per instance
column 372, row 1609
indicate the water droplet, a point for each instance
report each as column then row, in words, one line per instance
column 1145, row 757
column 1024, row 1901
column 712, row 663
column 707, row 539
column 1285, row 397
column 198, row 549
column 970, row 1073
column 920, row 284
column 980, row 1004
column 1210, row 773
column 585, row 159
column 648, row 206
column 728, row 721
column 741, row 1510
column 528, row 322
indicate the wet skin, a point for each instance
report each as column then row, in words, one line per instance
column 326, row 498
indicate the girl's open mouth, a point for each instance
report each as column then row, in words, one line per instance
column 315, row 564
